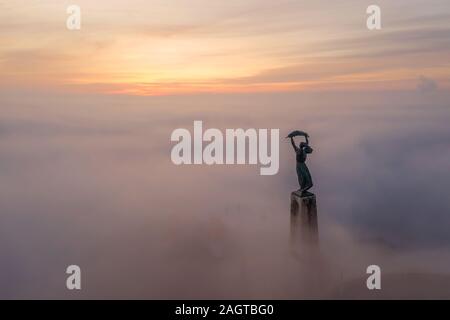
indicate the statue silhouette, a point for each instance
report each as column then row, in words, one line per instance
column 303, row 174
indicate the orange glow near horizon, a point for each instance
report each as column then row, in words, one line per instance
column 152, row 48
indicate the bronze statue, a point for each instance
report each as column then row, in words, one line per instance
column 303, row 175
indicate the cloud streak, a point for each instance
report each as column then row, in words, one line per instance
column 232, row 47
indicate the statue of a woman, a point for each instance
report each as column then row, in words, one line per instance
column 303, row 175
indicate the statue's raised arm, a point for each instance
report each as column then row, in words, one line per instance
column 293, row 144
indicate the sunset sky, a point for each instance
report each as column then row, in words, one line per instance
column 164, row 47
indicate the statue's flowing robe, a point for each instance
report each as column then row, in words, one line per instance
column 303, row 174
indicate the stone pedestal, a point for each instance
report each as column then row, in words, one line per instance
column 304, row 227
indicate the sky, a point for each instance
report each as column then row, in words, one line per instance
column 170, row 47
column 86, row 118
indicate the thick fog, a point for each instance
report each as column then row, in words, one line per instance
column 88, row 180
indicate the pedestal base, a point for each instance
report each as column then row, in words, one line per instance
column 304, row 227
